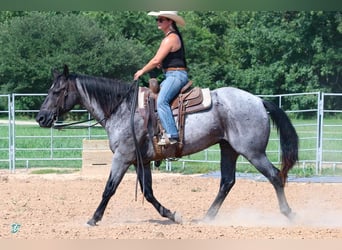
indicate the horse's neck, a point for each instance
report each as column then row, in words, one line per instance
column 91, row 105
column 95, row 106
column 95, row 110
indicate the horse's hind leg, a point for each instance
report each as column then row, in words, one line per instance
column 145, row 181
column 272, row 174
column 228, row 169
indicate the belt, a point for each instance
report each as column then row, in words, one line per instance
column 173, row 69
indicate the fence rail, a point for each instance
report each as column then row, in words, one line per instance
column 320, row 137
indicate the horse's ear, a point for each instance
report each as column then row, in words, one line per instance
column 55, row 73
column 66, row 71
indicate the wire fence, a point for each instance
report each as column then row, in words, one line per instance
column 24, row 144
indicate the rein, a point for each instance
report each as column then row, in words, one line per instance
column 139, row 164
column 70, row 125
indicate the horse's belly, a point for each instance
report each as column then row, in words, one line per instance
column 201, row 130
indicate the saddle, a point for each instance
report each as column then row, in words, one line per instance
column 190, row 100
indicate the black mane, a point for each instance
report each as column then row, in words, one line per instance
column 107, row 92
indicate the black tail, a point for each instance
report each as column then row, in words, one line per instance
column 288, row 138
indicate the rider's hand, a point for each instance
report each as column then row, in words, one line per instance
column 138, row 74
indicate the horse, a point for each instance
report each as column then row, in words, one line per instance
column 237, row 120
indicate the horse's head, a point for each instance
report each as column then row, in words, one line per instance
column 61, row 98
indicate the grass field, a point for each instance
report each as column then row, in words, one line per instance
column 38, row 147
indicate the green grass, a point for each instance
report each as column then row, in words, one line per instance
column 54, row 171
column 46, row 148
column 40, row 147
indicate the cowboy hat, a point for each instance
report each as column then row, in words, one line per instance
column 173, row 15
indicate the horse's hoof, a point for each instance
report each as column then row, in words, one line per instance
column 288, row 213
column 291, row 216
column 208, row 219
column 177, row 218
column 91, row 222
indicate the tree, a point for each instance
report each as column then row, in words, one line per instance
column 31, row 45
column 285, row 52
column 264, row 52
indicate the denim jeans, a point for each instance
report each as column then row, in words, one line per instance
column 169, row 89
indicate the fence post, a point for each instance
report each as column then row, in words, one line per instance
column 279, row 146
column 11, row 125
column 320, row 117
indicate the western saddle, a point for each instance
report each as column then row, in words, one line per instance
column 190, row 99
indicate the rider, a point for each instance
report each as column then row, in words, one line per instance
column 171, row 58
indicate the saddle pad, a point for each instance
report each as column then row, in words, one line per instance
column 206, row 98
column 142, row 97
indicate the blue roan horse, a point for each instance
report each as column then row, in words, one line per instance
column 237, row 120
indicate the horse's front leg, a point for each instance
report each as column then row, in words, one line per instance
column 117, row 172
column 145, row 181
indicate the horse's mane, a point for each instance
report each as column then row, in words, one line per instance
column 107, row 92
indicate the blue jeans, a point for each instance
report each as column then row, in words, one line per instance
column 169, row 89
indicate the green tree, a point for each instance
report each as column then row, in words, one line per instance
column 264, row 52
column 6, row 16
column 31, row 45
column 285, row 52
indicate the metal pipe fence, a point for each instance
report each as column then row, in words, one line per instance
column 320, row 135
column 6, row 138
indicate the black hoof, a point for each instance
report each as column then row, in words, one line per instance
column 92, row 222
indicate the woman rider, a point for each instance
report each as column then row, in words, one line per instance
column 171, row 58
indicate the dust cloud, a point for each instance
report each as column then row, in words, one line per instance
column 311, row 216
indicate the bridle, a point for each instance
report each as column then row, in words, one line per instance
column 61, row 100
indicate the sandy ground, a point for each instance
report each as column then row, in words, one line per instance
column 58, row 207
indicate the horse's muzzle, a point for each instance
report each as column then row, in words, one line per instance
column 46, row 119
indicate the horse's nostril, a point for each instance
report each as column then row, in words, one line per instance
column 38, row 118
column 42, row 119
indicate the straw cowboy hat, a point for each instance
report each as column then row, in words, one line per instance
column 173, row 15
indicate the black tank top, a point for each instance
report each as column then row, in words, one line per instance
column 175, row 59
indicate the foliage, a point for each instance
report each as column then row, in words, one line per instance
column 286, row 52
column 34, row 44
column 264, row 52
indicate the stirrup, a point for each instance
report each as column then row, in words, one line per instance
column 167, row 141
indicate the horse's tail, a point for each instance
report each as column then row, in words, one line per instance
column 288, row 138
